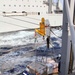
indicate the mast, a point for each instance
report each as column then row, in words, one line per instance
column 49, row 6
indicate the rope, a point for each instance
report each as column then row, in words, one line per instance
column 17, row 24
column 55, row 34
column 14, row 24
column 24, row 21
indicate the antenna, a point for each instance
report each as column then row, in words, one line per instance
column 57, row 5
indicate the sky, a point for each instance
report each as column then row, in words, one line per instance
column 60, row 1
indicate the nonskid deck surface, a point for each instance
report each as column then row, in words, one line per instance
column 21, row 57
column 22, row 53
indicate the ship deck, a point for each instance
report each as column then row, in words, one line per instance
column 15, row 23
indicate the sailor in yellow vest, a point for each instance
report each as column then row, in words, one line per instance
column 44, row 30
column 41, row 30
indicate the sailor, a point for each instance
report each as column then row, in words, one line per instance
column 59, row 62
column 47, row 32
column 48, row 38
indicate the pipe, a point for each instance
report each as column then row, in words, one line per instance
column 71, row 25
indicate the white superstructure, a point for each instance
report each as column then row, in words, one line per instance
column 26, row 14
column 30, row 6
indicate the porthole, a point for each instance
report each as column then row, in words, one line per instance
column 14, row 5
column 19, row 5
column 28, row 5
column 37, row 6
column 24, row 5
column 4, row 12
column 9, row 5
column 38, row 13
column 4, row 5
column 32, row 5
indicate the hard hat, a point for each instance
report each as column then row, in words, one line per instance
column 42, row 20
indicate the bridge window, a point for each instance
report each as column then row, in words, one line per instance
column 23, row 12
column 59, row 11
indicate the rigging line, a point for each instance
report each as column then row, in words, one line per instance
column 55, row 34
column 23, row 20
column 32, row 18
column 14, row 24
column 51, row 43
